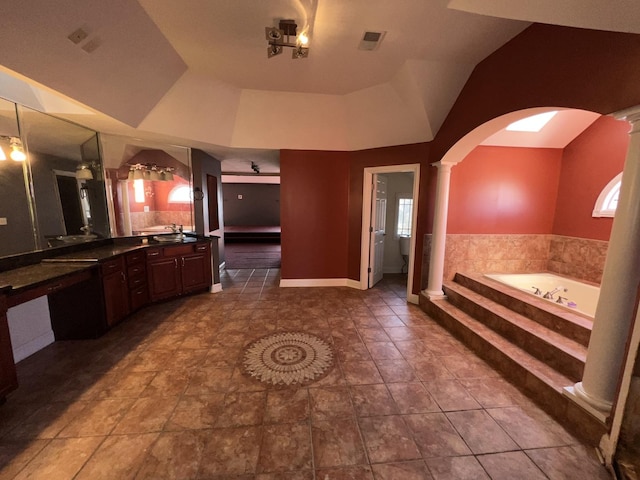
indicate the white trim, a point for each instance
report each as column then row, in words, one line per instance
column 222, row 266
column 270, row 179
column 413, row 298
column 319, row 282
column 366, row 220
column 215, row 288
column 604, row 196
column 33, row 346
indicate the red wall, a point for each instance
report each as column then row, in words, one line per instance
column 588, row 165
column 314, row 192
column 504, row 190
column 403, row 154
column 545, row 65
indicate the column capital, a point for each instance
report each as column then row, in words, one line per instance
column 631, row 115
column 444, row 165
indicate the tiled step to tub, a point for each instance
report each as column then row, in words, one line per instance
column 537, row 378
column 556, row 318
column 559, row 352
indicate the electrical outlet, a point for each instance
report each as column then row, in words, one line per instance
column 146, row 208
column 239, row 197
column 3, row 220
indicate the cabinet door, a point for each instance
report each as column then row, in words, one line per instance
column 196, row 271
column 8, row 378
column 116, row 297
column 164, row 278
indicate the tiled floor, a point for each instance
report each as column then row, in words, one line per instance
column 162, row 396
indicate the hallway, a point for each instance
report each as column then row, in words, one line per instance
column 164, row 396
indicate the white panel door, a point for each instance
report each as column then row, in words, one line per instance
column 378, row 225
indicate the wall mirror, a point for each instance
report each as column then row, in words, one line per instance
column 149, row 186
column 56, row 195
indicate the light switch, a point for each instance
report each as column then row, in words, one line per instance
column 3, row 220
column 239, row 197
column 146, row 208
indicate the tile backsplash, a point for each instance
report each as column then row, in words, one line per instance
column 579, row 258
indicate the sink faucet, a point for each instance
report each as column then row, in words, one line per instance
column 549, row 295
column 86, row 229
column 174, row 228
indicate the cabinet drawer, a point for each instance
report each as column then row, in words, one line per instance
column 136, row 282
column 154, row 253
column 201, row 247
column 113, row 265
column 136, row 270
column 178, row 250
column 139, row 297
column 135, row 257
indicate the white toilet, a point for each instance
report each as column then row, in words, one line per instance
column 405, row 244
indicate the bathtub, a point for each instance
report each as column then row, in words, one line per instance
column 582, row 297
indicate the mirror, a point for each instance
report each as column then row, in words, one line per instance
column 56, row 196
column 149, row 186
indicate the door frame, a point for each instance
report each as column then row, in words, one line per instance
column 366, row 222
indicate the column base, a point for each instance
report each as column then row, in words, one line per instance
column 434, row 294
column 600, row 409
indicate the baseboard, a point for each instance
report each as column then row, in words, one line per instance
column 31, row 347
column 413, row 298
column 222, row 266
column 319, row 282
column 215, row 288
column 355, row 284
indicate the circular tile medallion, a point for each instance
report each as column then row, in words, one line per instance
column 288, row 358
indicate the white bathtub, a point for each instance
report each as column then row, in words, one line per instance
column 584, row 296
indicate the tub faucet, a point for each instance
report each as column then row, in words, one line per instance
column 562, row 300
column 537, row 292
column 549, row 295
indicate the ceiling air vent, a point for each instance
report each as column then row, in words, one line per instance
column 371, row 40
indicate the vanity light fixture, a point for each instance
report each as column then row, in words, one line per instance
column 17, row 151
column 83, row 172
column 2, row 155
column 150, row 172
column 285, row 35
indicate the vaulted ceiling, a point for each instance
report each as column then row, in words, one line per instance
column 196, row 72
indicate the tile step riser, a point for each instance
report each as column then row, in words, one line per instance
column 514, row 371
column 570, row 330
column 559, row 360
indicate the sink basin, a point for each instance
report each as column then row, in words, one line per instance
column 76, row 238
column 177, row 237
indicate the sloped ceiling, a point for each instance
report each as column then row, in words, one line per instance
column 196, row 72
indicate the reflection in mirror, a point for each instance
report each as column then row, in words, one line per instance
column 67, row 180
column 149, row 186
column 44, row 200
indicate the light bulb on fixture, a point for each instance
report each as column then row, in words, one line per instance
column 83, row 172
column 2, row 155
column 303, row 40
column 17, row 152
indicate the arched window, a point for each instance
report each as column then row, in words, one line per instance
column 180, row 194
column 608, row 200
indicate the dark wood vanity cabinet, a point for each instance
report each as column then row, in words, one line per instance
column 8, row 377
column 116, row 290
column 137, row 279
column 179, row 269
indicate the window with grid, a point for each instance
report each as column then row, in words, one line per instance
column 405, row 215
column 607, row 201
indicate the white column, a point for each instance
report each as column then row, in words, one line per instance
column 620, row 279
column 439, row 233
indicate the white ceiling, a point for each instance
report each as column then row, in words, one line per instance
column 196, row 72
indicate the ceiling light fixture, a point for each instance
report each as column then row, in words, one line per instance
column 285, row 35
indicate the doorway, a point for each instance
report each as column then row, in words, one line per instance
column 394, row 189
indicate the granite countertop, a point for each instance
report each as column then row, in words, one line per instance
column 61, row 265
column 35, row 275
